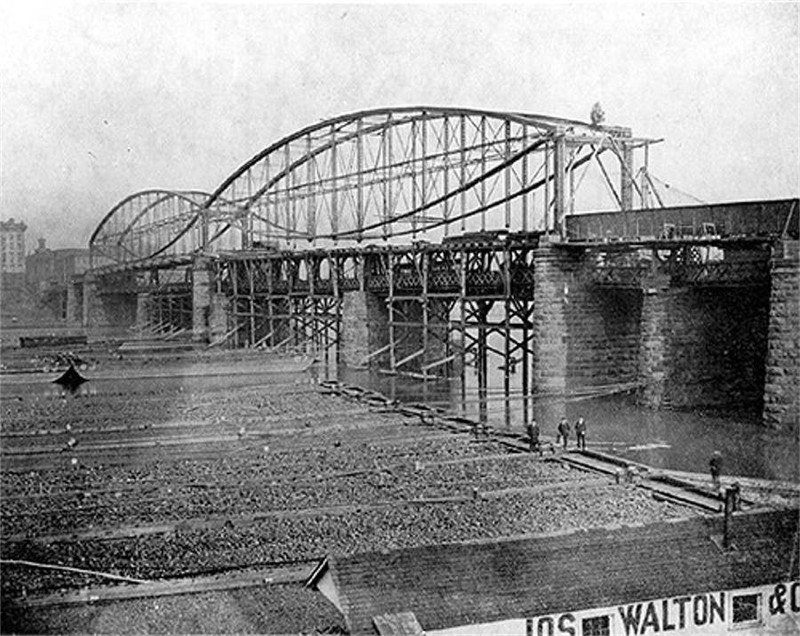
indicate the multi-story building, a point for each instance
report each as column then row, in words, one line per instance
column 12, row 251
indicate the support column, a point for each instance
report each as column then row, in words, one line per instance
column 143, row 309
column 364, row 326
column 201, row 299
column 653, row 340
column 94, row 310
column 218, row 318
column 553, row 273
column 75, row 302
column 781, row 399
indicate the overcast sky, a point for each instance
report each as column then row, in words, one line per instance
column 98, row 101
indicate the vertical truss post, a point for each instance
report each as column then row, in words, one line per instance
column 414, row 179
column 287, row 159
column 525, row 179
column 360, row 177
column 559, row 193
column 547, row 221
column 483, row 173
column 446, row 175
column 334, row 219
column 311, row 210
column 423, row 168
column 387, row 183
column 247, row 218
column 463, row 175
column 507, row 171
column 267, row 227
column 571, row 173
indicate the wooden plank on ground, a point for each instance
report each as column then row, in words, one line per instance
column 272, row 575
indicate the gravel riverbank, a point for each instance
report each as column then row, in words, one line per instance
column 152, row 480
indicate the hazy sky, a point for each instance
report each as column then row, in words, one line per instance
column 98, row 101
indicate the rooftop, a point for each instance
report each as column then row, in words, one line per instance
column 486, row 581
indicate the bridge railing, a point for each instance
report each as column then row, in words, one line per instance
column 772, row 219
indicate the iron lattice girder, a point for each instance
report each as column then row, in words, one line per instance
column 491, row 271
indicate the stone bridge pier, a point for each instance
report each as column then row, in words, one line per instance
column 731, row 342
column 107, row 307
column 211, row 310
column 782, row 373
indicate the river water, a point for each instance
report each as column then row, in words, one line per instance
column 678, row 440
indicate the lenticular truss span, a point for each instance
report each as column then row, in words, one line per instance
column 392, row 174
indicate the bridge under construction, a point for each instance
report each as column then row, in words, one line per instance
column 444, row 242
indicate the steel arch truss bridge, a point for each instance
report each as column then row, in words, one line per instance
column 382, row 175
column 416, row 239
column 416, row 172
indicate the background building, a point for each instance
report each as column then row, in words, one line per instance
column 12, row 251
column 46, row 268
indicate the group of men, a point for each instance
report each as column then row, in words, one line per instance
column 564, row 431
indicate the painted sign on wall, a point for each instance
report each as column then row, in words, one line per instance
column 770, row 610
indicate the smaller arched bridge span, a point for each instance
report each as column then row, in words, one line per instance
column 159, row 226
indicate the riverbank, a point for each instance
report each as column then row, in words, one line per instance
column 152, row 480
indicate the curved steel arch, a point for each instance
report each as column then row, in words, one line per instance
column 158, row 223
column 419, row 170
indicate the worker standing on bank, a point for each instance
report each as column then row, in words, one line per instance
column 715, row 466
column 533, row 437
column 563, row 431
column 580, row 433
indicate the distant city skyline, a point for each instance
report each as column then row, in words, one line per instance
column 104, row 100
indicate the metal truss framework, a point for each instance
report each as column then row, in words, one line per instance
column 421, row 172
column 384, row 175
column 158, row 228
